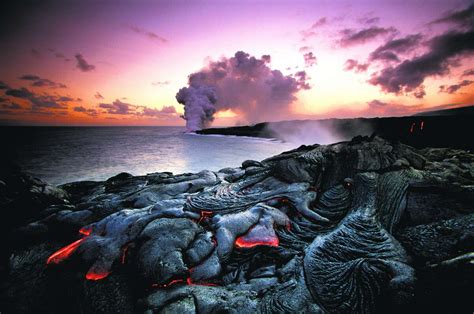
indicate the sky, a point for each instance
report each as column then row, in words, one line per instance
column 123, row 62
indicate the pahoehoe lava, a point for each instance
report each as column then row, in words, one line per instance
column 367, row 225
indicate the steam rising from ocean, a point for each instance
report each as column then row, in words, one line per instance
column 242, row 83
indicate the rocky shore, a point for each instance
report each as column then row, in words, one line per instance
column 368, row 225
column 448, row 128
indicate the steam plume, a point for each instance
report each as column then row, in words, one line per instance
column 242, row 83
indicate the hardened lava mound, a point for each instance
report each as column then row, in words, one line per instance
column 353, row 227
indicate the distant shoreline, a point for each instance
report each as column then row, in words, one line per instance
column 447, row 128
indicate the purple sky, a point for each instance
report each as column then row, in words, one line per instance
column 122, row 62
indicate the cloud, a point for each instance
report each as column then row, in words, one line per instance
column 380, row 108
column 351, row 37
column 354, row 65
column 451, row 89
column 322, row 21
column 118, row 107
column 368, row 20
column 41, row 82
column 242, row 83
column 82, row 64
column 310, row 59
column 166, row 110
column 462, row 18
column 150, row 35
column 410, row 74
column 160, row 83
column 468, row 73
column 11, row 106
column 98, row 96
column 82, row 109
column 3, row 85
column 310, row 32
column 389, row 50
column 40, row 101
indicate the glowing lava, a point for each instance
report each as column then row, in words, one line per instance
column 85, row 231
column 64, row 253
column 96, row 276
column 242, row 243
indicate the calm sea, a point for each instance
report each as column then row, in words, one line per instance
column 65, row 154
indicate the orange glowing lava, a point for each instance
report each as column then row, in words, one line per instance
column 242, row 243
column 190, row 282
column 64, row 253
column 96, row 276
column 85, row 231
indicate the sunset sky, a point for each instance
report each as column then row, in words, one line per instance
column 122, row 62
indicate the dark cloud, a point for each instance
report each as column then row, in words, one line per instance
column 3, row 99
column 160, row 83
column 3, row 85
column 148, row 34
column 118, row 107
column 468, row 72
column 351, row 37
column 19, row 93
column 389, row 50
column 90, row 112
column 41, row 82
column 220, row 85
column 82, row 64
column 451, row 89
column 354, row 65
column 440, row 57
column 40, row 101
column 463, row 17
column 98, row 96
column 11, row 106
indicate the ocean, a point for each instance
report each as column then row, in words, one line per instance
column 60, row 155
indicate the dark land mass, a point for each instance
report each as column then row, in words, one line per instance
column 443, row 128
column 364, row 226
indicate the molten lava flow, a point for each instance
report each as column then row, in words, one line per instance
column 85, row 231
column 96, row 276
column 422, row 124
column 64, row 253
column 166, row 285
column 190, row 282
column 242, row 243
